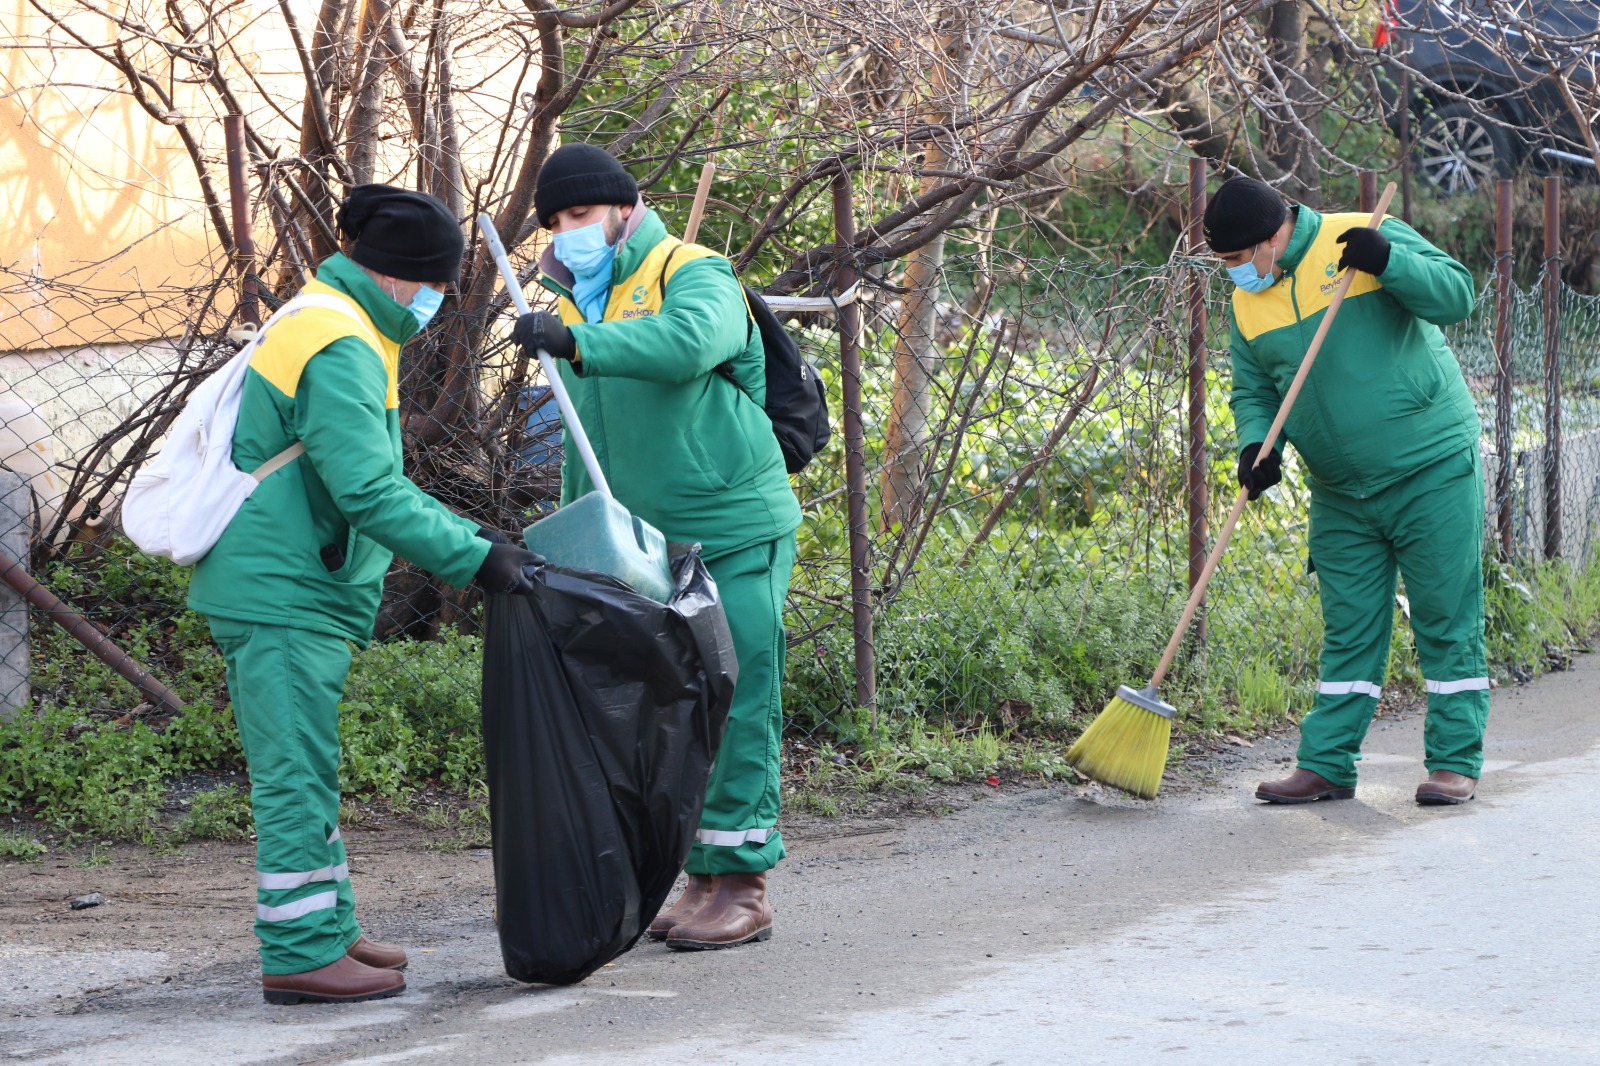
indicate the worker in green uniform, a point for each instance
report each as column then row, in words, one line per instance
column 645, row 322
column 1389, row 435
column 297, row 576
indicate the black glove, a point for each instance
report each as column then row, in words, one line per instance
column 541, row 329
column 493, row 536
column 1364, row 249
column 1259, row 479
column 508, row 569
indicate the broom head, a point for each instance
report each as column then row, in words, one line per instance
column 1126, row 747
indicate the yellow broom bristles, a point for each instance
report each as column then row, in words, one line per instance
column 1126, row 748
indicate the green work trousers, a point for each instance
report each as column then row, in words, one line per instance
column 1430, row 527
column 739, row 828
column 286, row 685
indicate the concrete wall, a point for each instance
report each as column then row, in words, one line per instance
column 15, row 504
column 1580, row 499
column 55, row 405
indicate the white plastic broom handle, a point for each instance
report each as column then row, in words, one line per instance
column 569, row 414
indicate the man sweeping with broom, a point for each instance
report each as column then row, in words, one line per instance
column 1388, row 432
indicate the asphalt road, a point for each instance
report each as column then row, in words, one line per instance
column 1034, row 927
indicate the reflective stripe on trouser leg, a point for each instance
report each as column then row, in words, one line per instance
column 286, row 685
column 1439, row 542
column 738, row 829
column 1356, row 578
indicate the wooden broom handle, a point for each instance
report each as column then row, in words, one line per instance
column 697, row 209
column 702, row 191
column 1199, row 592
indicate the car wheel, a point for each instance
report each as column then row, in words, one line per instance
column 1458, row 149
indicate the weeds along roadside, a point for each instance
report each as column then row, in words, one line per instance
column 980, row 678
column 1061, row 665
column 94, row 763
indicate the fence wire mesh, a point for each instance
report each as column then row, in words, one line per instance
column 1026, row 448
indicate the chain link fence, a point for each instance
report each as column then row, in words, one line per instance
column 1026, row 519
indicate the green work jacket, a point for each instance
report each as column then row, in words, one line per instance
column 314, row 379
column 680, row 445
column 1386, row 396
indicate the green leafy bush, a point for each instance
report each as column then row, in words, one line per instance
column 15, row 844
column 89, row 777
column 980, row 644
column 216, row 814
column 1536, row 615
column 95, row 760
column 411, row 713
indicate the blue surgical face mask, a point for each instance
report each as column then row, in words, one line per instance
column 1248, row 278
column 585, row 250
column 425, row 304
column 586, row 253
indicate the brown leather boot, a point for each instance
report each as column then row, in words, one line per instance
column 1446, row 787
column 344, row 981
column 698, row 891
column 377, row 954
column 736, row 913
column 1302, row 786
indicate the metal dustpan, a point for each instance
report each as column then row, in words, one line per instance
column 594, row 532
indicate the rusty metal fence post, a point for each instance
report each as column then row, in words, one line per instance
column 1504, row 295
column 1198, row 479
column 1369, row 191
column 1552, row 367
column 244, row 245
column 855, row 462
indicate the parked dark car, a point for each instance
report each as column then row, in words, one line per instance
column 1485, row 97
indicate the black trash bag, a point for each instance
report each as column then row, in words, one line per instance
column 602, row 713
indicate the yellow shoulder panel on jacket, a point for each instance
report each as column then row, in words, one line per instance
column 570, row 315
column 687, row 253
column 288, row 346
column 1314, row 281
column 640, row 294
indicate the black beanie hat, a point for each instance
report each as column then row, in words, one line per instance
column 407, row 235
column 1243, row 212
column 581, row 174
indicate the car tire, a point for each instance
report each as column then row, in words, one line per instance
column 1459, row 148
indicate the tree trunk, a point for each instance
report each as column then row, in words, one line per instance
column 1192, row 117
column 916, row 359
column 903, row 484
column 368, row 109
column 1286, row 134
column 317, row 154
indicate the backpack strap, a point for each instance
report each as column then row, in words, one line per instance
column 279, row 461
column 725, row 368
column 666, row 265
column 666, row 273
column 248, row 334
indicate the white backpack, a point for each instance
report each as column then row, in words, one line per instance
column 181, row 501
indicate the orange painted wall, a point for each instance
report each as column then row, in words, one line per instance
column 97, row 198
column 100, row 201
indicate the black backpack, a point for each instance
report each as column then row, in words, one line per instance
column 797, row 402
